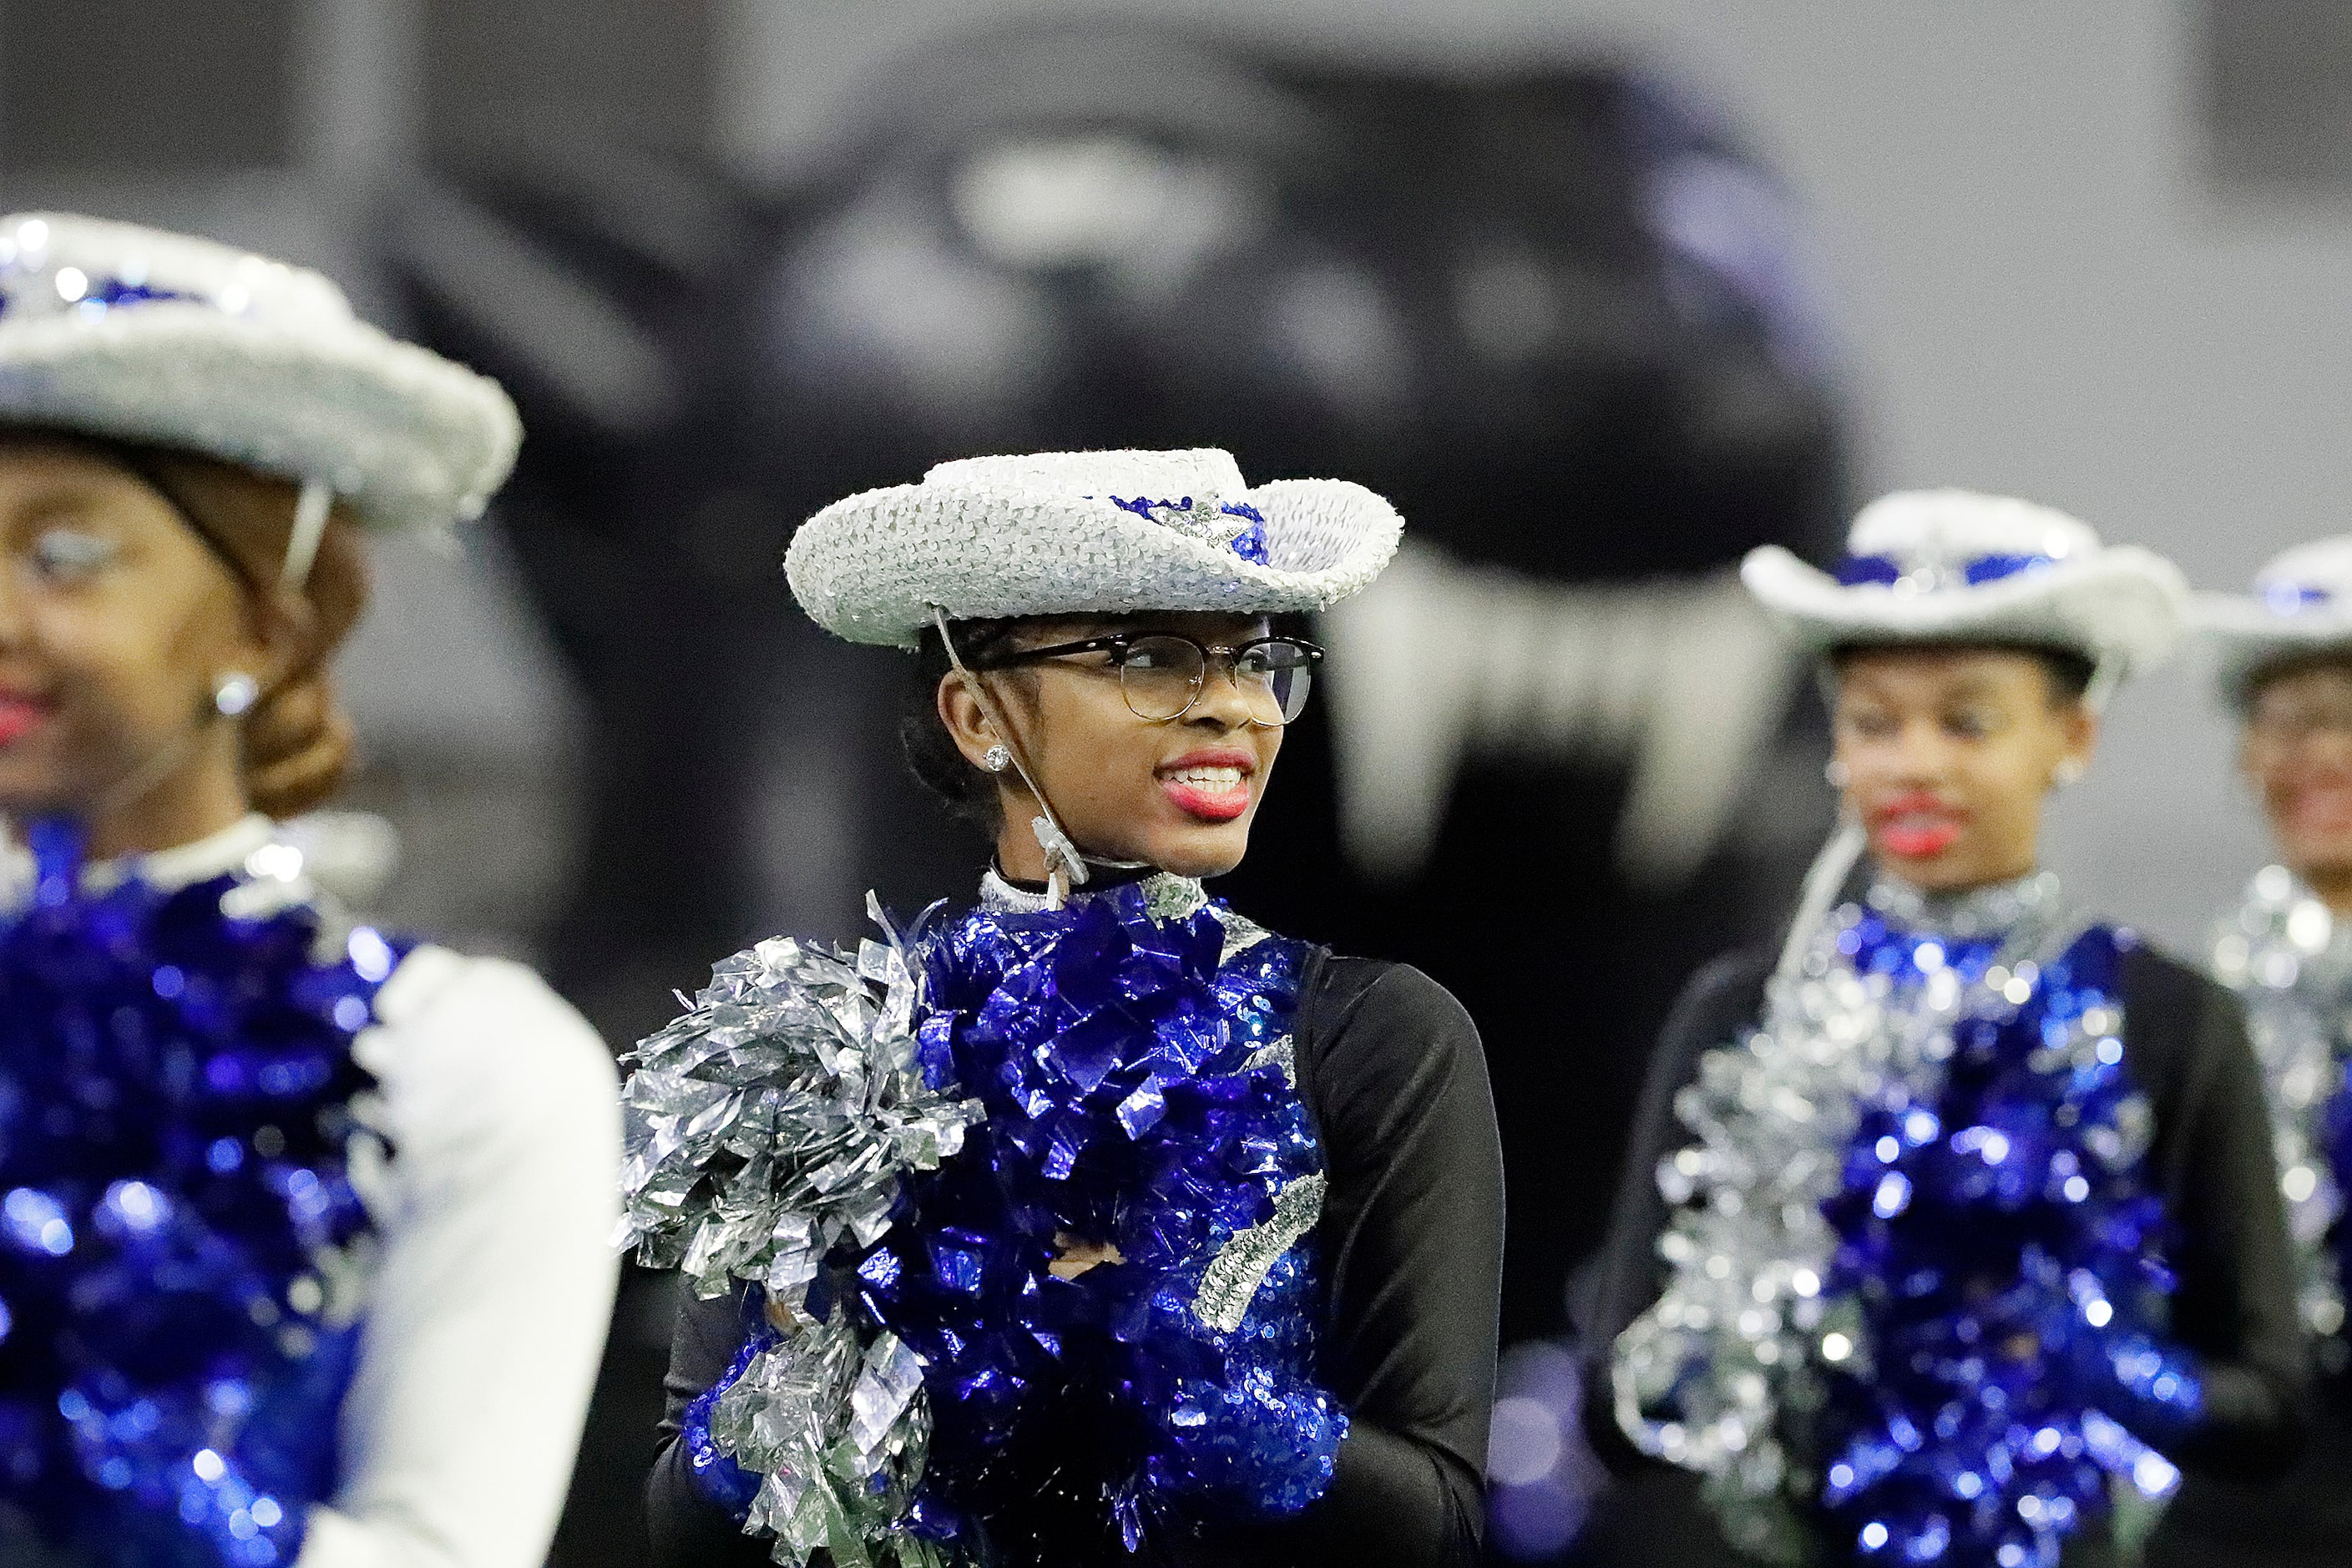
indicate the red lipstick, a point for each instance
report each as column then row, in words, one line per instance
column 1212, row 785
column 1917, row 826
column 19, row 716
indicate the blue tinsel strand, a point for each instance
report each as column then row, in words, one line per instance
column 715, row 1471
column 1133, row 1099
column 175, row 1094
column 2007, row 1259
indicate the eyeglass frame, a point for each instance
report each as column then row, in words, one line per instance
column 1118, row 643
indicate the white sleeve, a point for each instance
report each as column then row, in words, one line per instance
column 487, row 1317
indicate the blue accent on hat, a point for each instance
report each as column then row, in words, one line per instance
column 1249, row 544
column 2294, row 598
column 101, row 294
column 1884, row 570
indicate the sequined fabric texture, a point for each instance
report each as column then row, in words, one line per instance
column 120, row 329
column 1099, row 533
column 182, row 1251
column 1918, row 1304
column 2288, row 959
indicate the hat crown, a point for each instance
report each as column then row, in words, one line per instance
column 1197, row 491
column 1195, row 471
column 2308, row 577
column 63, row 265
column 1953, row 529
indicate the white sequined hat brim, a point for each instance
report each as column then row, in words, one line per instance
column 2122, row 607
column 871, row 567
column 2240, row 634
column 408, row 438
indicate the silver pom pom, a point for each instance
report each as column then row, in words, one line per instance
column 777, row 1116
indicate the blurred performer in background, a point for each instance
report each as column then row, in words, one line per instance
column 1096, row 1224
column 2285, row 663
column 303, row 1255
column 1961, row 1212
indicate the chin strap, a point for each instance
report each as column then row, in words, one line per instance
column 2107, row 676
column 1823, row 883
column 311, row 512
column 1067, row 866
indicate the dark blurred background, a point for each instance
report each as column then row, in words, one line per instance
column 1602, row 293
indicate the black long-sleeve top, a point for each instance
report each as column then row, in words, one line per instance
column 1390, row 1068
column 2185, row 1048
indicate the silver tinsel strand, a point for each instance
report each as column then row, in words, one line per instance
column 2281, row 952
column 839, row 1434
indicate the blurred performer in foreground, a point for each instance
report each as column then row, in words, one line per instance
column 303, row 1253
column 1957, row 1220
column 2284, row 659
column 1096, row 1224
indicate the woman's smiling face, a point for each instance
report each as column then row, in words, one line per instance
column 1177, row 794
column 1947, row 754
column 2297, row 754
column 115, row 622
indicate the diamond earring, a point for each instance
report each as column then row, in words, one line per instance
column 996, row 759
column 234, row 693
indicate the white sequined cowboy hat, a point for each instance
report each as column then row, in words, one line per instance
column 144, row 335
column 1953, row 566
column 2301, row 603
column 1067, row 533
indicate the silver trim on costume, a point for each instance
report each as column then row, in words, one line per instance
column 2290, row 960
column 1231, row 1279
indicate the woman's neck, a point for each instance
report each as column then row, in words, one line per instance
column 199, row 797
column 118, row 837
column 2334, row 885
column 1102, row 876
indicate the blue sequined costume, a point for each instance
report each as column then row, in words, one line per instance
column 1132, row 1057
column 1918, row 1304
column 181, row 1245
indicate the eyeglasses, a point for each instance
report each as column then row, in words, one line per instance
column 2289, row 726
column 1162, row 675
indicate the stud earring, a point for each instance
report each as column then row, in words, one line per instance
column 996, row 759
column 234, row 693
column 1838, row 773
column 2066, row 773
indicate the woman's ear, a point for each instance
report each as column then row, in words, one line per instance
column 967, row 722
column 275, row 630
column 2081, row 727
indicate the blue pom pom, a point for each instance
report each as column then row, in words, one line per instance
column 2015, row 1325
column 174, row 1111
column 1133, row 1105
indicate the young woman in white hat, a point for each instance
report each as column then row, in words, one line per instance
column 1095, row 1225
column 1952, row 1229
column 2283, row 656
column 302, row 1247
